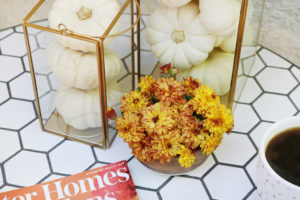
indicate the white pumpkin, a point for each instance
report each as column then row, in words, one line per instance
column 177, row 36
column 216, row 71
column 81, row 108
column 219, row 41
column 78, row 69
column 219, row 17
column 173, row 3
column 88, row 17
column 229, row 43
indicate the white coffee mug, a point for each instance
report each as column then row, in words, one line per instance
column 270, row 185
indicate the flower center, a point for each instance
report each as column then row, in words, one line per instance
column 178, row 36
column 135, row 101
column 84, row 13
column 169, row 145
column 155, row 119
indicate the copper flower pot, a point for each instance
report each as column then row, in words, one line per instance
column 173, row 167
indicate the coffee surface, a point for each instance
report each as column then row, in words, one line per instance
column 283, row 155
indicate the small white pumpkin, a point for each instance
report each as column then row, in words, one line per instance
column 177, row 36
column 81, row 108
column 88, row 17
column 219, row 17
column 219, row 41
column 216, row 71
column 229, row 43
column 173, row 3
column 78, row 69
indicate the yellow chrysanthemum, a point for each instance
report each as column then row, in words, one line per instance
column 129, row 128
column 169, row 91
column 158, row 118
column 186, row 157
column 146, row 84
column 204, row 98
column 192, row 140
column 165, row 146
column 219, row 119
column 210, row 143
column 187, row 120
column 191, row 84
column 134, row 102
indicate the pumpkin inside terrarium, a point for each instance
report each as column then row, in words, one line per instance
column 83, row 72
column 197, row 37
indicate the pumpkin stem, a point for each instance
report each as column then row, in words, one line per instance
column 84, row 13
column 178, row 36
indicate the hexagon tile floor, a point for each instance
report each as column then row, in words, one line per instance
column 28, row 156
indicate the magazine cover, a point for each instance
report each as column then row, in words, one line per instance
column 111, row 182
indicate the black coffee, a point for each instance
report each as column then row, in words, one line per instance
column 283, row 155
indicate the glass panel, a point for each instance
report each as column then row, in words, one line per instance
column 67, row 82
column 120, row 47
column 202, row 43
column 249, row 46
column 66, row 73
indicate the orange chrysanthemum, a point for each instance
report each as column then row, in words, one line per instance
column 146, row 84
column 158, row 119
column 191, row 84
column 129, row 128
column 134, row 102
column 166, row 146
column 169, row 91
column 141, row 150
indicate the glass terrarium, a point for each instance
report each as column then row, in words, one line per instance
column 214, row 41
column 80, row 57
column 80, row 67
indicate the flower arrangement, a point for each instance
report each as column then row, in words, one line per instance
column 165, row 118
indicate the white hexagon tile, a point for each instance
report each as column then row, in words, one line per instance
column 202, row 170
column 9, row 144
column 184, row 188
column 9, row 44
column 6, row 32
column 10, row 67
column 16, row 113
column 4, row 92
column 274, row 107
column 235, row 149
column 118, row 151
column 276, row 80
column 71, row 157
column 21, row 87
column 35, row 139
column 19, row 171
column 147, row 195
column 272, row 93
column 144, row 177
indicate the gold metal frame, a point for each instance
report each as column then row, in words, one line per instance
column 98, row 42
column 237, row 54
column 228, row 99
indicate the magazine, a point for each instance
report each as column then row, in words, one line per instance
column 111, row 182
